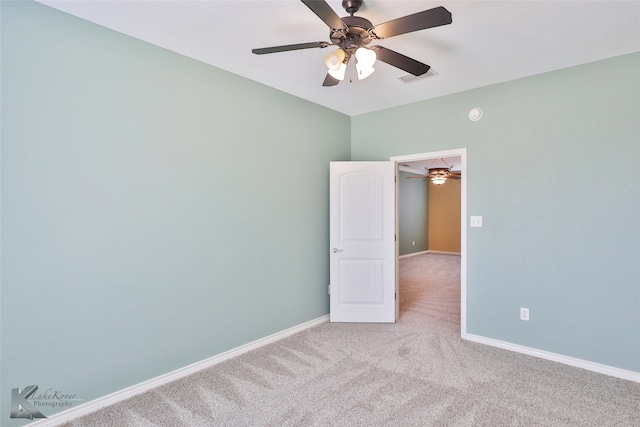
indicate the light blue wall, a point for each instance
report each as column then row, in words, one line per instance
column 156, row 211
column 554, row 169
column 413, row 213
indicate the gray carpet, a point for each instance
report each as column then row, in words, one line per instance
column 417, row 372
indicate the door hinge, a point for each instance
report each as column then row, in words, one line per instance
column 395, row 295
column 329, row 289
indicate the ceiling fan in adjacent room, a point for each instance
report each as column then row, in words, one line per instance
column 439, row 175
column 351, row 34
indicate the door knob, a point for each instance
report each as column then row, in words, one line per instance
column 336, row 250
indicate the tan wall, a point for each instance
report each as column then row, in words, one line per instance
column 444, row 216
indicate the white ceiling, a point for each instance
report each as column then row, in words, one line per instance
column 420, row 166
column 488, row 41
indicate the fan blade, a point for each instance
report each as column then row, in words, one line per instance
column 330, row 81
column 400, row 61
column 288, row 47
column 324, row 12
column 418, row 21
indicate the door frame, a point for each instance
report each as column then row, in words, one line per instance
column 462, row 153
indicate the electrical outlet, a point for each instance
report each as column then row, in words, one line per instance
column 413, row 242
column 524, row 314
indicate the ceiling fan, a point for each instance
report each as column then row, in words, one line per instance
column 352, row 33
column 439, row 175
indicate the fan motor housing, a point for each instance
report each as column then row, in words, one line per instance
column 356, row 36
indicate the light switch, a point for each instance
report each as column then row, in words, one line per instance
column 476, row 221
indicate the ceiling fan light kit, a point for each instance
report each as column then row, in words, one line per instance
column 353, row 33
column 438, row 176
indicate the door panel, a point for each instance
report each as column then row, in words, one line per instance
column 362, row 239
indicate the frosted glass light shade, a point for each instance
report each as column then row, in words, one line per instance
column 335, row 62
column 363, row 72
column 333, row 59
column 365, row 59
column 340, row 72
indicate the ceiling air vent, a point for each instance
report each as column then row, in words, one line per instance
column 410, row 78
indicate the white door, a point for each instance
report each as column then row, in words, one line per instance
column 362, row 242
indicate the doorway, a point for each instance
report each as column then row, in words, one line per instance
column 427, row 157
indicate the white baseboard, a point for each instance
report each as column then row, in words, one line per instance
column 118, row 396
column 428, row 251
column 571, row 361
column 413, row 254
column 443, row 252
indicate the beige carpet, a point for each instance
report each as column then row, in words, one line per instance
column 417, row 372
